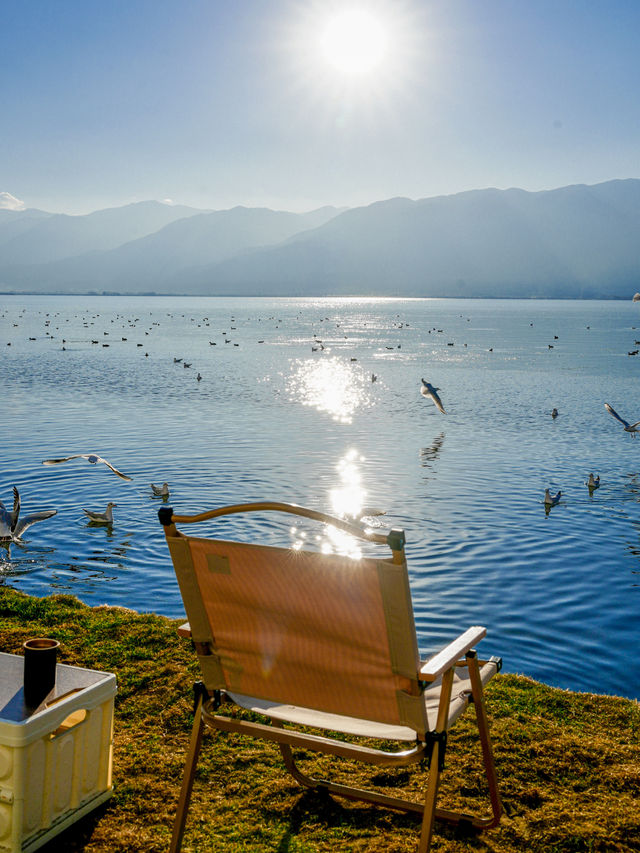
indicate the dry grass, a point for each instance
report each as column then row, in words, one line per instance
column 568, row 763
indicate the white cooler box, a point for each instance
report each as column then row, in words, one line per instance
column 55, row 762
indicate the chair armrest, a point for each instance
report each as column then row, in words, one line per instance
column 167, row 517
column 185, row 630
column 446, row 658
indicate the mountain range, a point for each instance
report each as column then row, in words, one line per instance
column 575, row 241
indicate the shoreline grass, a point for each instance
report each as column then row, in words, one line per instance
column 568, row 763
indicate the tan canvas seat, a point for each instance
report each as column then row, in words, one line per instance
column 311, row 640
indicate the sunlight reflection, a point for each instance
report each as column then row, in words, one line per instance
column 298, row 540
column 346, row 500
column 330, row 385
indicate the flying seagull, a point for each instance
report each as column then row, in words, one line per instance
column 632, row 428
column 428, row 390
column 90, row 457
column 105, row 517
column 12, row 526
column 161, row 491
column 551, row 500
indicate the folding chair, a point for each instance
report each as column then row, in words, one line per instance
column 324, row 642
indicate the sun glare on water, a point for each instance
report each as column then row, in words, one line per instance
column 330, row 385
column 353, row 41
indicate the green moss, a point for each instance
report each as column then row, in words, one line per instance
column 568, row 764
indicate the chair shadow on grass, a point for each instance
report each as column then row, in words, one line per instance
column 319, row 807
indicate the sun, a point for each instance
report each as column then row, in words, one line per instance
column 352, row 61
column 353, row 42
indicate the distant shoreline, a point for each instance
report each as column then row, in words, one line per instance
column 146, row 294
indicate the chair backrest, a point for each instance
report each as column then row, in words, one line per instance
column 320, row 631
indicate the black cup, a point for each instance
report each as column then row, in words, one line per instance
column 40, row 655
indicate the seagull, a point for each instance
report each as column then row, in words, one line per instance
column 632, row 428
column 551, row 500
column 11, row 527
column 593, row 482
column 428, row 390
column 161, row 491
column 91, row 457
column 105, row 517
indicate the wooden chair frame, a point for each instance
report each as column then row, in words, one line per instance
column 459, row 653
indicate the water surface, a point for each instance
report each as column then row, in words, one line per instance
column 286, row 410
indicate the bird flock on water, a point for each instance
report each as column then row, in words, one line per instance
column 13, row 526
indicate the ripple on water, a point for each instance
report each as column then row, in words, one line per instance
column 275, row 421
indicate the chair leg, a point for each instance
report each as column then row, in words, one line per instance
column 187, row 779
column 485, row 740
column 346, row 791
column 431, row 796
column 289, row 762
column 429, row 813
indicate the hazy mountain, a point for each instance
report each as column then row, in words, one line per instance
column 30, row 237
column 13, row 223
column 574, row 241
column 145, row 264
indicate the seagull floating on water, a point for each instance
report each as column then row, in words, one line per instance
column 428, row 390
column 632, row 428
column 551, row 500
column 105, row 517
column 593, row 482
column 161, row 491
column 90, row 457
column 12, row 526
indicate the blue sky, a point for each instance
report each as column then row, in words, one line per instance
column 214, row 103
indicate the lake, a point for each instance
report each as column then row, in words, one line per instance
column 286, row 410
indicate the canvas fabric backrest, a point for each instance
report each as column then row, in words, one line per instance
column 320, row 631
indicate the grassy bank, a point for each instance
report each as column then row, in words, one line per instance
column 568, row 764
